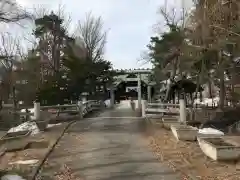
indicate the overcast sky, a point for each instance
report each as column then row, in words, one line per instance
column 129, row 24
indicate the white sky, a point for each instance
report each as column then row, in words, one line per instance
column 129, row 23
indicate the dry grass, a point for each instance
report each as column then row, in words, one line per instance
column 65, row 173
column 189, row 159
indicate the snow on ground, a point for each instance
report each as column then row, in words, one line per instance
column 125, row 104
column 11, row 177
column 30, row 110
column 27, row 126
column 107, row 102
column 208, row 101
column 210, row 131
column 25, row 162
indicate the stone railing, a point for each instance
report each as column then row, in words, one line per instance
column 235, row 128
column 80, row 108
column 157, row 110
column 43, row 115
column 162, row 106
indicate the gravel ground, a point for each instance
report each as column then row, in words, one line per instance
column 26, row 170
column 189, row 159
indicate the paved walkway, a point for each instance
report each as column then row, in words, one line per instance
column 108, row 148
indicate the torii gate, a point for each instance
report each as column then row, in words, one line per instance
column 140, row 75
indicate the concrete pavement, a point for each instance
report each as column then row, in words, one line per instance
column 107, row 148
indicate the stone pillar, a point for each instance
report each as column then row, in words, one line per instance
column 84, row 98
column 183, row 113
column 36, row 112
column 80, row 108
column 139, row 92
column 112, row 96
column 144, row 105
column 149, row 92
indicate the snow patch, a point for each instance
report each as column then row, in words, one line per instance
column 25, row 162
column 107, row 102
column 210, row 131
column 31, row 110
column 125, row 104
column 11, row 177
column 208, row 101
column 27, row 126
column 52, row 125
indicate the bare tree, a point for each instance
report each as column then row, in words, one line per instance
column 221, row 29
column 8, row 59
column 11, row 12
column 93, row 36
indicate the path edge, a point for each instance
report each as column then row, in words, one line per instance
column 39, row 167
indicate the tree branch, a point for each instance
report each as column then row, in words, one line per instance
column 227, row 30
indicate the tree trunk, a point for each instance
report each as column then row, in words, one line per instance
column 222, row 83
column 222, row 91
column 172, row 77
column 14, row 97
column 210, row 88
column 233, row 87
column 178, row 97
column 191, row 98
column 199, row 80
column 174, row 98
column 196, row 91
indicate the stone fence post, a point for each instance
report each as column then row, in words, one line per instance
column 36, row 112
column 144, row 104
column 80, row 106
column 183, row 113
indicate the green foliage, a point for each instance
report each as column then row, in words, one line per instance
column 77, row 73
column 209, row 58
column 48, row 23
column 85, row 75
column 164, row 49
